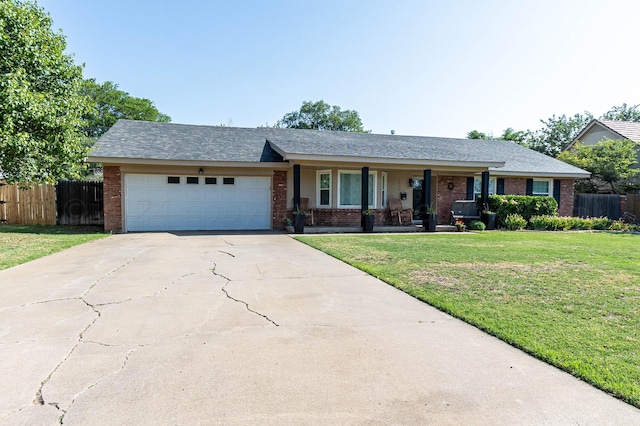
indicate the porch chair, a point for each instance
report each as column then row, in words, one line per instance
column 308, row 211
column 399, row 216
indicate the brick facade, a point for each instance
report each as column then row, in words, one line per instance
column 279, row 197
column 447, row 196
column 112, row 196
column 515, row 186
column 566, row 198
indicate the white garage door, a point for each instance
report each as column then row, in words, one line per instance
column 193, row 203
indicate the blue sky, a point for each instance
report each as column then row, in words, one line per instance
column 432, row 68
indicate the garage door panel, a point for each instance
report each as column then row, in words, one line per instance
column 152, row 204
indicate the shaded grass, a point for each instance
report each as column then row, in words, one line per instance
column 570, row 299
column 20, row 244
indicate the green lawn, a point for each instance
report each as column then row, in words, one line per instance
column 20, row 244
column 571, row 299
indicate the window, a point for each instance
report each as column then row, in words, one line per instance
column 210, row 181
column 477, row 187
column 192, row 180
column 173, row 179
column 323, row 185
column 350, row 189
column 228, row 181
column 541, row 188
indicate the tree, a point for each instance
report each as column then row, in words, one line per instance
column 557, row 133
column 610, row 160
column 515, row 136
column 321, row 116
column 111, row 104
column 475, row 134
column 623, row 113
column 40, row 101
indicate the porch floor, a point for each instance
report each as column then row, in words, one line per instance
column 376, row 229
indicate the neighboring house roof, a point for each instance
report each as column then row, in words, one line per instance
column 135, row 141
column 624, row 129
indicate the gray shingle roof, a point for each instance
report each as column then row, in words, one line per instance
column 167, row 141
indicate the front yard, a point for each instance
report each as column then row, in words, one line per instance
column 22, row 243
column 570, row 299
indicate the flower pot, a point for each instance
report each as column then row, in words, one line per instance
column 489, row 220
column 429, row 222
column 367, row 222
column 298, row 223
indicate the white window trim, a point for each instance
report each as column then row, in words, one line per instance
column 318, row 198
column 493, row 186
column 375, row 189
column 541, row 194
column 384, row 192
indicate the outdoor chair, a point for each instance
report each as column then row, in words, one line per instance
column 399, row 216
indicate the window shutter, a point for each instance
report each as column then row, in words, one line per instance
column 529, row 186
column 470, row 188
column 500, row 186
column 556, row 191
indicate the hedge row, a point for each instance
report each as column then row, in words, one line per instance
column 523, row 205
column 559, row 223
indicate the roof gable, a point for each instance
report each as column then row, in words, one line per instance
column 623, row 129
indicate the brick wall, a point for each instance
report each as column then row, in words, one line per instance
column 515, row 186
column 346, row 217
column 279, row 194
column 566, row 198
column 112, row 196
column 447, row 196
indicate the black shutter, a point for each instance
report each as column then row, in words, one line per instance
column 500, row 186
column 470, row 188
column 529, row 186
column 556, row 191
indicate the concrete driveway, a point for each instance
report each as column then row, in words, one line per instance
column 254, row 329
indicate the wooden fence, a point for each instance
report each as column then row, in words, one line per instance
column 633, row 203
column 79, row 203
column 33, row 206
column 597, row 205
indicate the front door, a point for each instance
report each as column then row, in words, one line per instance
column 418, row 202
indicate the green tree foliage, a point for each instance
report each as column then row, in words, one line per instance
column 475, row 134
column 322, row 116
column 623, row 113
column 111, row 104
column 556, row 133
column 40, row 101
column 610, row 160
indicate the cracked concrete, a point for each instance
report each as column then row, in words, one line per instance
column 244, row 329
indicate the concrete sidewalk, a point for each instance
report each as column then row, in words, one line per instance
column 255, row 329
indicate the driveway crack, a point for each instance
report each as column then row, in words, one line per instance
column 39, row 400
column 246, row 305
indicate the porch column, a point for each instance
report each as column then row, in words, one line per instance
column 484, row 191
column 296, row 186
column 426, row 189
column 365, row 193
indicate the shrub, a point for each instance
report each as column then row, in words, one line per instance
column 515, row 222
column 601, row 223
column 524, row 205
column 476, row 225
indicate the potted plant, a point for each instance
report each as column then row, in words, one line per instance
column 460, row 226
column 489, row 219
column 298, row 221
column 368, row 219
column 288, row 223
column 429, row 220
